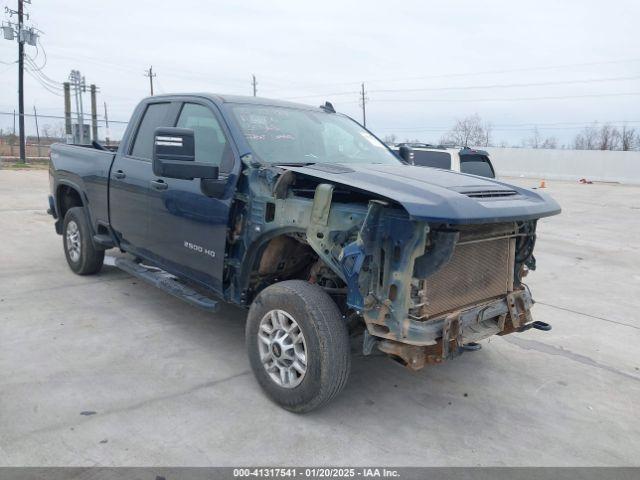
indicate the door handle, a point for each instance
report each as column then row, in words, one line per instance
column 119, row 174
column 159, row 184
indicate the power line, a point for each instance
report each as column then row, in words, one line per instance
column 44, row 54
column 513, row 99
column 42, row 83
column 42, row 78
column 476, row 87
column 59, row 117
column 40, row 71
column 471, row 74
column 514, row 70
column 509, row 85
column 166, row 72
column 335, row 94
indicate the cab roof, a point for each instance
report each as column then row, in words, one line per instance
column 242, row 99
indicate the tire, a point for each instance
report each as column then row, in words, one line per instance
column 325, row 342
column 82, row 255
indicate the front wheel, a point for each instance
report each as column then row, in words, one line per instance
column 298, row 345
column 82, row 255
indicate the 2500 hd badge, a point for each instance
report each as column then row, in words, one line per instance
column 199, row 249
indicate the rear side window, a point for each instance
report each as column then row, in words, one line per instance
column 211, row 144
column 432, row 159
column 154, row 116
column 476, row 165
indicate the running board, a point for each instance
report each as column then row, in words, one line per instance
column 104, row 241
column 167, row 282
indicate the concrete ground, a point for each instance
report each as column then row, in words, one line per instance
column 105, row 370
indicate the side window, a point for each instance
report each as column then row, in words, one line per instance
column 154, row 117
column 476, row 165
column 211, row 144
column 432, row 159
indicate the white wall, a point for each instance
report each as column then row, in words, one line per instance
column 606, row 166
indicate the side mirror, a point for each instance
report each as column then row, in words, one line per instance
column 174, row 154
column 406, row 153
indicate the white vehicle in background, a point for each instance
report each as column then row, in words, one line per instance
column 464, row 160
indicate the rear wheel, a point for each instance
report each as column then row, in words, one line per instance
column 82, row 255
column 298, row 345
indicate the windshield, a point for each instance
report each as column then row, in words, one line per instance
column 289, row 135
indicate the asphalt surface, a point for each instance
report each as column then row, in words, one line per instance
column 106, row 370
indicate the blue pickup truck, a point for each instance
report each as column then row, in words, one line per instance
column 307, row 219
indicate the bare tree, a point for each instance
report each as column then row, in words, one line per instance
column 488, row 129
column 536, row 141
column 58, row 130
column 628, row 138
column 469, row 131
column 550, row 142
column 46, row 131
column 587, row 139
column 608, row 138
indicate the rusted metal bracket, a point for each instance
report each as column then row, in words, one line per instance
column 519, row 314
column 512, row 314
column 451, row 336
column 416, row 357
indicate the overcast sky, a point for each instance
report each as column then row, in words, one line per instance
column 422, row 62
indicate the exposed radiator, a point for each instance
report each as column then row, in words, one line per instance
column 480, row 268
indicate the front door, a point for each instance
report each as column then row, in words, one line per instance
column 129, row 183
column 188, row 229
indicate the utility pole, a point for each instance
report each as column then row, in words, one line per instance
column 23, row 156
column 149, row 73
column 255, row 85
column 11, row 31
column 67, row 111
column 106, row 123
column 363, row 101
column 35, row 115
column 94, row 113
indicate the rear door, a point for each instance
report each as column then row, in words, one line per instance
column 130, row 176
column 188, row 229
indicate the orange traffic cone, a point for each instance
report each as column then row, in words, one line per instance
column 543, row 183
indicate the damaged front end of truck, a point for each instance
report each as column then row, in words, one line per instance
column 424, row 268
column 427, row 291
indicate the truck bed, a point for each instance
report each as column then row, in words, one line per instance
column 87, row 170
